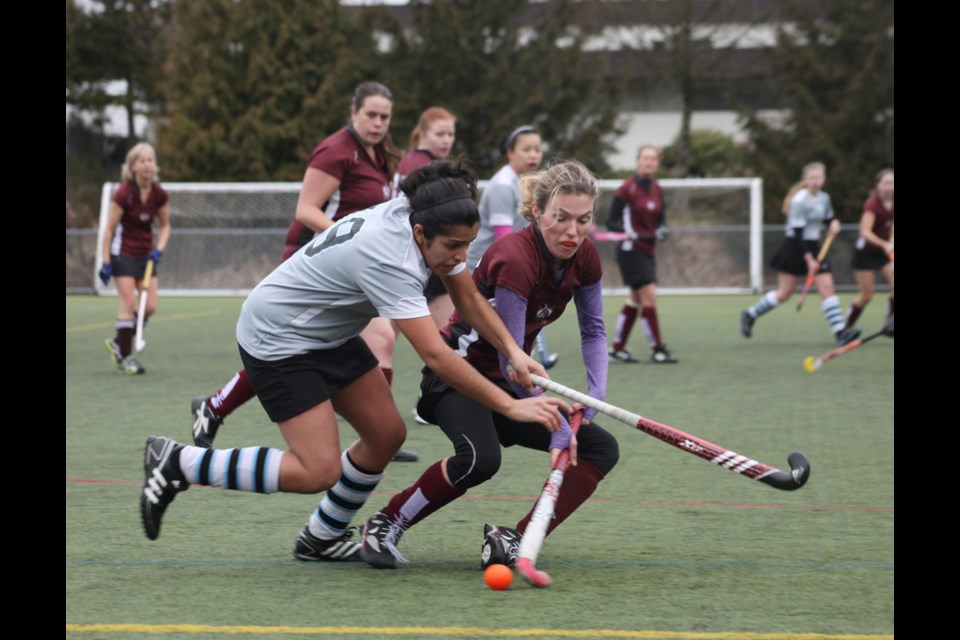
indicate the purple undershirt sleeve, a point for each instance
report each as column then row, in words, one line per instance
column 593, row 341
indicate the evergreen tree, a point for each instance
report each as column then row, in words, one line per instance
column 255, row 85
column 115, row 40
column 497, row 65
column 834, row 64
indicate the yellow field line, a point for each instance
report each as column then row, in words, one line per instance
column 174, row 316
column 465, row 631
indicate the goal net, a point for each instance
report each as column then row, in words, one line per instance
column 228, row 236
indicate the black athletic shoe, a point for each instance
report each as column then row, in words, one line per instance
column 162, row 482
column 405, row 455
column 380, row 537
column 310, row 548
column 205, row 422
column 500, row 546
column 848, row 335
column 660, row 355
column 746, row 323
column 622, row 355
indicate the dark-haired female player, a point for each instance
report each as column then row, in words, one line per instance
column 348, row 171
column 298, row 335
column 531, row 275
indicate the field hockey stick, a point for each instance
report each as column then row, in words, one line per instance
column 811, row 276
column 619, row 235
column 140, row 343
column 785, row 480
column 891, row 245
column 812, row 365
column 542, row 514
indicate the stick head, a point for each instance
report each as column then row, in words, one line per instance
column 528, row 572
column 810, row 364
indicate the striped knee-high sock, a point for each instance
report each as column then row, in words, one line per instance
column 833, row 313
column 250, row 469
column 343, row 500
column 767, row 303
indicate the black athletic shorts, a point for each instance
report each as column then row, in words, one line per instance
column 638, row 269
column 788, row 259
column 290, row 386
column 869, row 260
column 132, row 267
column 435, row 288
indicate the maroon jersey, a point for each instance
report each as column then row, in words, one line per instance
column 363, row 182
column 520, row 262
column 133, row 237
column 410, row 162
column 882, row 224
column 644, row 204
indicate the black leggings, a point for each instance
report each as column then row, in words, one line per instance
column 477, row 434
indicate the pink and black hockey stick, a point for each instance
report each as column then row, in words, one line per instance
column 542, row 514
column 798, row 475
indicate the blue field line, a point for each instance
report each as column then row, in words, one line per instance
column 826, row 566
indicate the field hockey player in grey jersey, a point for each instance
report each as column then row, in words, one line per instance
column 809, row 212
column 298, row 335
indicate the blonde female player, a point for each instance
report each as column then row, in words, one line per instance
column 809, row 211
column 128, row 246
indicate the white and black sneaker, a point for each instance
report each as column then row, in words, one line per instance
column 131, row 366
column 500, row 546
column 661, row 355
column 205, row 422
column 622, row 355
column 380, row 537
column 310, row 548
column 163, row 480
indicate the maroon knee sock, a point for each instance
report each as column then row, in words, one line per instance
column 429, row 493
column 628, row 315
column 233, row 394
column 579, row 483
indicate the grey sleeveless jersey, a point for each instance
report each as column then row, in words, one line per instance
column 365, row 265
column 499, row 207
column 808, row 212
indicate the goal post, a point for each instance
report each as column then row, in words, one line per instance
column 226, row 236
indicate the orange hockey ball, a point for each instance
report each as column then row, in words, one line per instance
column 498, row 576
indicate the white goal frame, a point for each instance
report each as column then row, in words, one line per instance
column 753, row 222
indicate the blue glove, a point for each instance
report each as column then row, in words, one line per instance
column 155, row 255
column 662, row 234
column 106, row 270
column 560, row 439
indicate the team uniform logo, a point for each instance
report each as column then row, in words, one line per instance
column 544, row 312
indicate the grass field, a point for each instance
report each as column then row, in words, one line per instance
column 669, row 546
